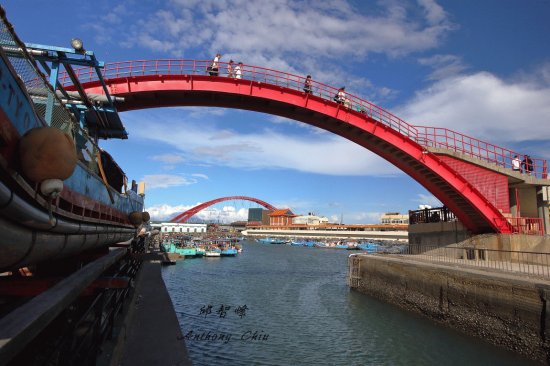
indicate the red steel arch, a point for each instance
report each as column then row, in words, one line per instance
column 184, row 216
column 164, row 83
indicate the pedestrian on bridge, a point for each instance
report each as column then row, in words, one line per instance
column 307, row 85
column 230, row 72
column 340, row 97
column 213, row 70
column 238, row 71
column 516, row 164
column 527, row 165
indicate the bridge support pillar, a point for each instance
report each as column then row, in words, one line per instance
column 543, row 200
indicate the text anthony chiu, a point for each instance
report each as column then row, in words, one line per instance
column 249, row 335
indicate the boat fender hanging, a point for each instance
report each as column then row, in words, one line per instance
column 145, row 216
column 47, row 153
column 135, row 218
column 51, row 187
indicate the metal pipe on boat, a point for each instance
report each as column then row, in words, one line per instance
column 18, row 51
column 75, row 96
column 18, row 210
column 22, row 247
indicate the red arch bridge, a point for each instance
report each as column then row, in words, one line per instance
column 184, row 216
column 473, row 178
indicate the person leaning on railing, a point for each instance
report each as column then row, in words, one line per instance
column 527, row 165
column 307, row 85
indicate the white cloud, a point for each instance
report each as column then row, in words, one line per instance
column 434, row 12
column 198, row 175
column 264, row 149
column 168, row 158
column 426, row 199
column 224, row 214
column 484, row 106
column 242, row 29
column 166, row 180
column 444, row 66
column 163, row 212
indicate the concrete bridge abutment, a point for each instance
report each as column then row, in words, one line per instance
column 506, row 310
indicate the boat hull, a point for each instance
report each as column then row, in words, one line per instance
column 86, row 215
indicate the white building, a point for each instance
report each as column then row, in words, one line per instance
column 394, row 218
column 174, row 227
column 309, row 220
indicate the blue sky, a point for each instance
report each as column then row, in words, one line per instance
column 478, row 67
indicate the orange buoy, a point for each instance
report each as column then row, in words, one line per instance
column 145, row 216
column 135, row 218
column 47, row 153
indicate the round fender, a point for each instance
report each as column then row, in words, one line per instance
column 47, row 153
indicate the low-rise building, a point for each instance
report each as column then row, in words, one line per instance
column 310, row 220
column 176, row 227
column 282, row 217
column 391, row 218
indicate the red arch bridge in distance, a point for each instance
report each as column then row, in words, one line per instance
column 184, row 216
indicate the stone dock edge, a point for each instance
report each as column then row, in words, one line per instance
column 505, row 309
column 148, row 331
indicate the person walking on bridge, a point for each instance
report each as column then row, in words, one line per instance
column 340, row 97
column 238, row 71
column 213, row 70
column 230, row 72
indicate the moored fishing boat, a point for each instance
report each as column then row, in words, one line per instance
column 272, row 241
column 213, row 252
column 320, row 244
column 60, row 193
column 368, row 246
column 228, row 252
column 171, row 247
column 352, row 245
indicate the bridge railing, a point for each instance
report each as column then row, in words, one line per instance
column 517, row 225
column 443, row 138
column 249, row 72
column 532, row 263
column 425, row 136
column 524, row 225
column 431, row 215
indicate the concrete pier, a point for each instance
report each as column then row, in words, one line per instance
column 149, row 332
column 507, row 309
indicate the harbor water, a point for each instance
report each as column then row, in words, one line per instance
column 283, row 305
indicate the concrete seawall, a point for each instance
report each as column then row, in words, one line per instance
column 148, row 333
column 508, row 310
